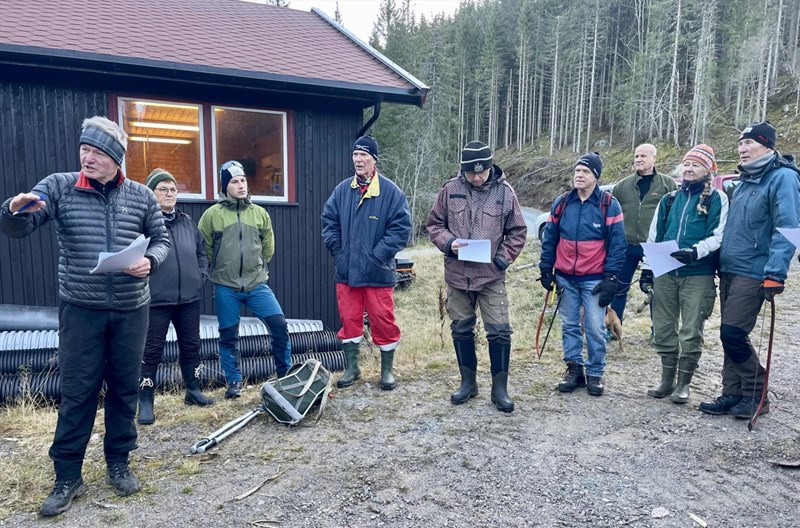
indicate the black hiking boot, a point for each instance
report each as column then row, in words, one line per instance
column 122, row 478
column 722, row 405
column 594, row 385
column 747, row 407
column 60, row 499
column 574, row 378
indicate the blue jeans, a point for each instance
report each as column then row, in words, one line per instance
column 633, row 256
column 574, row 296
column 262, row 302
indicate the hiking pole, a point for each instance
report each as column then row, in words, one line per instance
column 753, row 419
column 551, row 324
column 548, row 299
column 225, row 431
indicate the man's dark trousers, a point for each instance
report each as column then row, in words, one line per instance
column 97, row 345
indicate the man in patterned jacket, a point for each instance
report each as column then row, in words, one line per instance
column 478, row 204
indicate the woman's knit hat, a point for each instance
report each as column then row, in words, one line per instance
column 704, row 155
column 157, row 176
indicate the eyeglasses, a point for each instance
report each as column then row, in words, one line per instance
column 167, row 190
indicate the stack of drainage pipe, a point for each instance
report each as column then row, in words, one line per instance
column 29, row 358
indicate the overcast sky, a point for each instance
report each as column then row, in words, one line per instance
column 358, row 16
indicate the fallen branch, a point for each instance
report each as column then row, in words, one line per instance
column 259, row 486
column 106, row 506
column 263, row 522
column 698, row 520
column 525, row 266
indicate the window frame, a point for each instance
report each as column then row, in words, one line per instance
column 215, row 162
column 208, row 154
column 201, row 139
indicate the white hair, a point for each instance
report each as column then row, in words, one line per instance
column 107, row 126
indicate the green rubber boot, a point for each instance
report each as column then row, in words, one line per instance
column 351, row 373
column 387, row 376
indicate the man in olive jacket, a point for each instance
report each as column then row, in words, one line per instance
column 638, row 194
column 240, row 243
column 103, row 317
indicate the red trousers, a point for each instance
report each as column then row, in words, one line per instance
column 379, row 305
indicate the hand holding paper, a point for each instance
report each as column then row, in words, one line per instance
column 659, row 256
column 122, row 260
column 474, row 250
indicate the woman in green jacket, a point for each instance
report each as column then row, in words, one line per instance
column 694, row 216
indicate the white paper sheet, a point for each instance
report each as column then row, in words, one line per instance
column 122, row 260
column 475, row 250
column 657, row 254
column 791, row 234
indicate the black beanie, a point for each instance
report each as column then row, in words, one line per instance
column 593, row 162
column 367, row 144
column 763, row 133
column 476, row 157
column 228, row 171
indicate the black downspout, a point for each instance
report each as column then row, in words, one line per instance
column 376, row 113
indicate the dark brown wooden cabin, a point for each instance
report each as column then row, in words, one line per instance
column 194, row 83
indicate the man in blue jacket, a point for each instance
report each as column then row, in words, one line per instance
column 754, row 261
column 365, row 223
column 582, row 252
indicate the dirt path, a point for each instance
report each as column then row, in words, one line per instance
column 408, row 458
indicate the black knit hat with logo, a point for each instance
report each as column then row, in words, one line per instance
column 763, row 133
column 593, row 162
column 476, row 157
column 367, row 144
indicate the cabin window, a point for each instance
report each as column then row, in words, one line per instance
column 165, row 135
column 257, row 140
column 192, row 140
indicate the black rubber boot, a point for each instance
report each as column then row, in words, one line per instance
column 351, row 373
column 467, row 365
column 574, row 377
column 146, row 400
column 669, row 366
column 191, row 379
column 387, row 376
column 499, row 355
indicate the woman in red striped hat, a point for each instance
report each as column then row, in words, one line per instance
column 694, row 216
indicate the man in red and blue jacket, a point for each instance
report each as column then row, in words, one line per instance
column 583, row 249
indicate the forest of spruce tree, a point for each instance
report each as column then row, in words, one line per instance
column 580, row 75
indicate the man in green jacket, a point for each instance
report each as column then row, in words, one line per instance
column 638, row 194
column 240, row 242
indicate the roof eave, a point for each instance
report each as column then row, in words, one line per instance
column 211, row 75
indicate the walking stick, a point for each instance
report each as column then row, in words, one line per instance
column 548, row 299
column 752, row 422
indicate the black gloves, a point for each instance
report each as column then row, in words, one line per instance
column 547, row 279
column 607, row 288
column 685, row 256
column 646, row 281
column 771, row 288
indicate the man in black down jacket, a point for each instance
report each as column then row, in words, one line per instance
column 103, row 316
column 176, row 290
